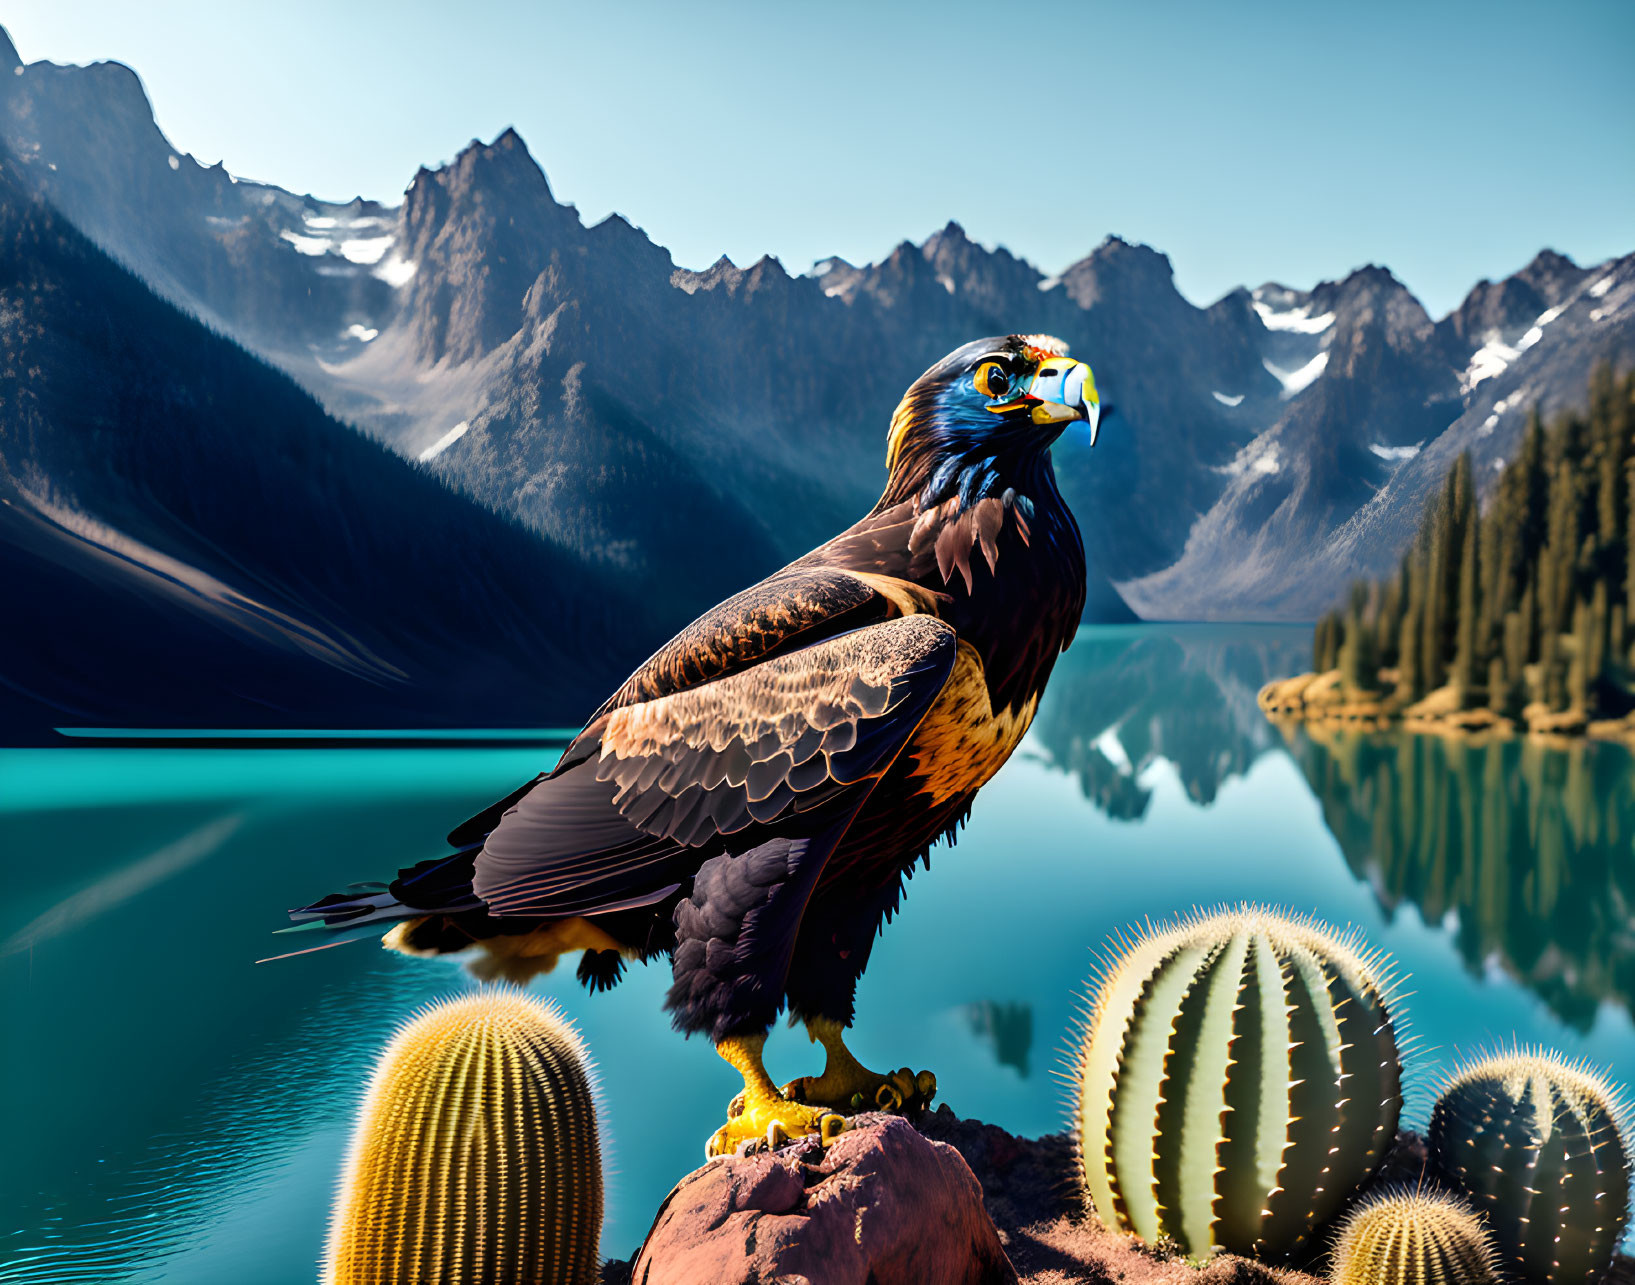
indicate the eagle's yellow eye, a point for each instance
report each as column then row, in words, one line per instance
column 992, row 379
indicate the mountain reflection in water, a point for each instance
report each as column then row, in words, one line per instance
column 1523, row 852
column 1522, row 849
column 1123, row 698
column 1008, row 1027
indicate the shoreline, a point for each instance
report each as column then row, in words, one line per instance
column 1323, row 700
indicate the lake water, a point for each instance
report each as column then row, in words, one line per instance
column 175, row 1112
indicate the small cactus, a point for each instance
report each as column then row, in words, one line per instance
column 1238, row 1077
column 1414, row 1238
column 1538, row 1143
column 475, row 1156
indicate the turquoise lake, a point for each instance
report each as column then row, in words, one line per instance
column 176, row 1112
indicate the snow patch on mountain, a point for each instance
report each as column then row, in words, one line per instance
column 445, row 441
column 1297, row 381
column 363, row 240
column 1259, row 458
column 1537, row 331
column 1224, row 400
column 1487, row 361
column 1495, row 355
column 1298, row 319
column 313, row 245
column 1395, row 452
column 365, row 250
column 395, row 270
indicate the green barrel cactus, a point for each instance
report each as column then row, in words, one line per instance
column 475, row 1158
column 1414, row 1238
column 1539, row 1144
column 1237, row 1078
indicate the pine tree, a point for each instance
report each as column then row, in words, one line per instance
column 1468, row 648
column 1325, row 648
column 1359, row 665
column 1595, row 642
column 1410, row 683
column 1434, row 602
column 1498, row 688
column 1578, row 670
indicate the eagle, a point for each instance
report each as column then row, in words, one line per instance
column 751, row 802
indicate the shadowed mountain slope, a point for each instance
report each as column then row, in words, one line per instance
column 186, row 538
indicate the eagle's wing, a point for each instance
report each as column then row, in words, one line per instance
column 792, row 608
column 795, row 734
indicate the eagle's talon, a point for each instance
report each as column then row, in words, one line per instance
column 771, row 1123
column 847, row 1085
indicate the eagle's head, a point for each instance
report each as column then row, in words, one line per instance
column 992, row 404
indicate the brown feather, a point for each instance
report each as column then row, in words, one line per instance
column 712, row 758
column 990, row 518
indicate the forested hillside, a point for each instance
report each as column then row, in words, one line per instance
column 1524, row 608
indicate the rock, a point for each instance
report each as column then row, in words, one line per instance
column 1285, row 693
column 906, row 1208
column 882, row 1206
column 1442, row 702
column 1324, row 689
column 1542, row 721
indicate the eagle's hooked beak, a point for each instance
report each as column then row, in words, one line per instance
column 1064, row 390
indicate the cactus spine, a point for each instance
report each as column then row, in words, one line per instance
column 475, row 1156
column 1237, row 1078
column 1539, row 1145
column 1414, row 1239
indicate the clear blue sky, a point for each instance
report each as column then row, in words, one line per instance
column 1449, row 141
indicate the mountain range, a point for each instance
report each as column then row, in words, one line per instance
column 670, row 434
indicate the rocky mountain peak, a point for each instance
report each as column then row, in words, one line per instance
column 1118, row 269
column 951, row 237
column 1553, row 275
column 722, row 274
column 503, row 168
column 9, row 59
column 480, row 230
column 1371, row 298
column 992, row 280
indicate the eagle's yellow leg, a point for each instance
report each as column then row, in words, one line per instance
column 760, row 1112
column 847, row 1085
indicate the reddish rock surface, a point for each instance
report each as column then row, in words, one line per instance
column 882, row 1206
column 964, row 1202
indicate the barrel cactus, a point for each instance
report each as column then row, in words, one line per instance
column 1414, row 1238
column 1539, row 1144
column 475, row 1156
column 1237, row 1078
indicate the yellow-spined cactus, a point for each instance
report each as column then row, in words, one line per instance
column 1540, row 1146
column 475, row 1159
column 1237, row 1078
column 1414, row 1238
